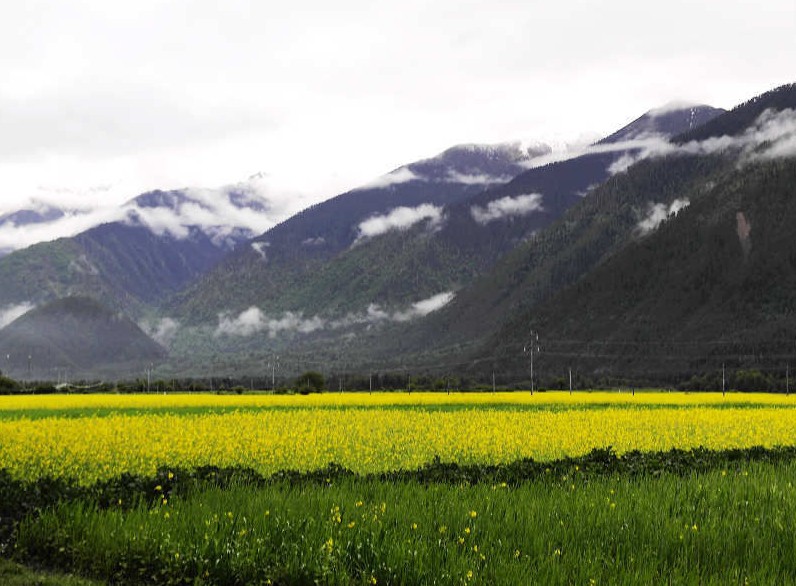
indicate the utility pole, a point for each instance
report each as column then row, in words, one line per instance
column 274, row 361
column 570, row 381
column 493, row 381
column 370, row 383
column 723, row 379
column 787, row 378
column 531, row 348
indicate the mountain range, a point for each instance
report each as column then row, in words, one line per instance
column 656, row 253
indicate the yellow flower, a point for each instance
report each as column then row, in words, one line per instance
column 473, row 514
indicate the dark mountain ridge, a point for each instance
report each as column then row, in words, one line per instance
column 706, row 284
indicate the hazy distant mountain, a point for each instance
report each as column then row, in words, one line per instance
column 76, row 336
column 225, row 214
column 30, row 216
column 162, row 241
column 27, row 217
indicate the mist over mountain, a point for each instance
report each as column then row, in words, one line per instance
column 12, row 221
column 407, row 199
column 226, row 215
column 154, row 246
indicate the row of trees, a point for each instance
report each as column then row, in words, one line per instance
column 314, row 382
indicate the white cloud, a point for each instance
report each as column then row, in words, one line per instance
column 401, row 175
column 424, row 307
column 260, row 248
column 508, row 206
column 254, row 320
column 375, row 314
column 465, row 179
column 14, row 237
column 11, row 312
column 672, row 106
column 163, row 331
column 773, row 135
column 400, row 218
column 647, row 143
column 659, row 212
column 251, row 207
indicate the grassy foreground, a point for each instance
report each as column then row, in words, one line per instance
column 728, row 525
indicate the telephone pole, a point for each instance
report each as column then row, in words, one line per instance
column 723, row 379
column 274, row 362
column 531, row 348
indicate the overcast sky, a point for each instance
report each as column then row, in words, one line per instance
column 103, row 99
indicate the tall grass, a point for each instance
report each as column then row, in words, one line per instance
column 718, row 527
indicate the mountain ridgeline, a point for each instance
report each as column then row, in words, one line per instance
column 323, row 262
column 660, row 254
column 610, row 296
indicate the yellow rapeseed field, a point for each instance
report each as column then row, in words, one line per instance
column 381, row 432
column 396, row 399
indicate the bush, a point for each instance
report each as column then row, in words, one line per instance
column 8, row 385
column 310, row 381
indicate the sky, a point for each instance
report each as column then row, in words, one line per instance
column 101, row 100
